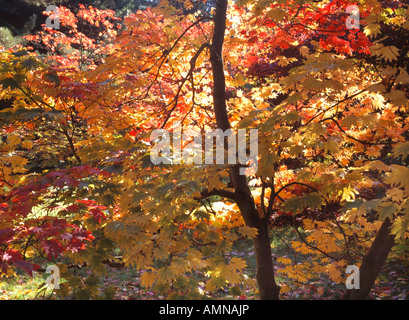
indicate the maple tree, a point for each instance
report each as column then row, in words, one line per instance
column 329, row 103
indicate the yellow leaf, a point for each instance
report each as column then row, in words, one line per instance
column 166, row 274
column 226, row 272
column 27, row 144
column 239, row 80
column 284, row 260
column 334, row 273
column 277, row 14
column 18, row 163
column 13, row 139
column 160, row 253
column 148, row 279
column 400, row 226
column 248, row 231
column 215, row 283
column 372, row 30
column 237, row 264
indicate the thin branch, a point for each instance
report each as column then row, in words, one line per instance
column 310, row 245
column 345, row 239
column 221, row 193
column 184, row 79
column 351, row 137
column 166, row 52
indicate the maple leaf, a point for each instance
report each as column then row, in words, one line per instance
column 388, row 211
column 52, row 248
column 310, row 200
column 284, row 260
column 399, row 175
column 325, row 111
column 248, row 231
column 166, row 274
column 401, row 148
column 372, row 30
column 389, row 53
column 237, row 264
column 148, row 279
column 400, row 226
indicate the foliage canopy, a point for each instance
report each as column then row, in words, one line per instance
column 330, row 105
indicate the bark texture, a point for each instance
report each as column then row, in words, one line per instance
column 373, row 262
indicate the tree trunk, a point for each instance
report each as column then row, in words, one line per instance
column 268, row 289
column 216, row 59
column 262, row 248
column 373, row 262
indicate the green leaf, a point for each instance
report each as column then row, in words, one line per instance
column 83, row 294
column 110, row 292
column 235, row 291
column 115, row 168
column 96, row 264
column 20, row 53
column 53, row 77
column 29, row 63
column 27, row 114
column 92, row 281
column 293, row 205
column 201, row 214
column 9, row 83
column 54, row 115
column 311, row 200
column 388, row 211
column 73, row 280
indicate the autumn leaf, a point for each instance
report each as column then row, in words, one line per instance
column 248, row 231
column 328, row 104
column 148, row 279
